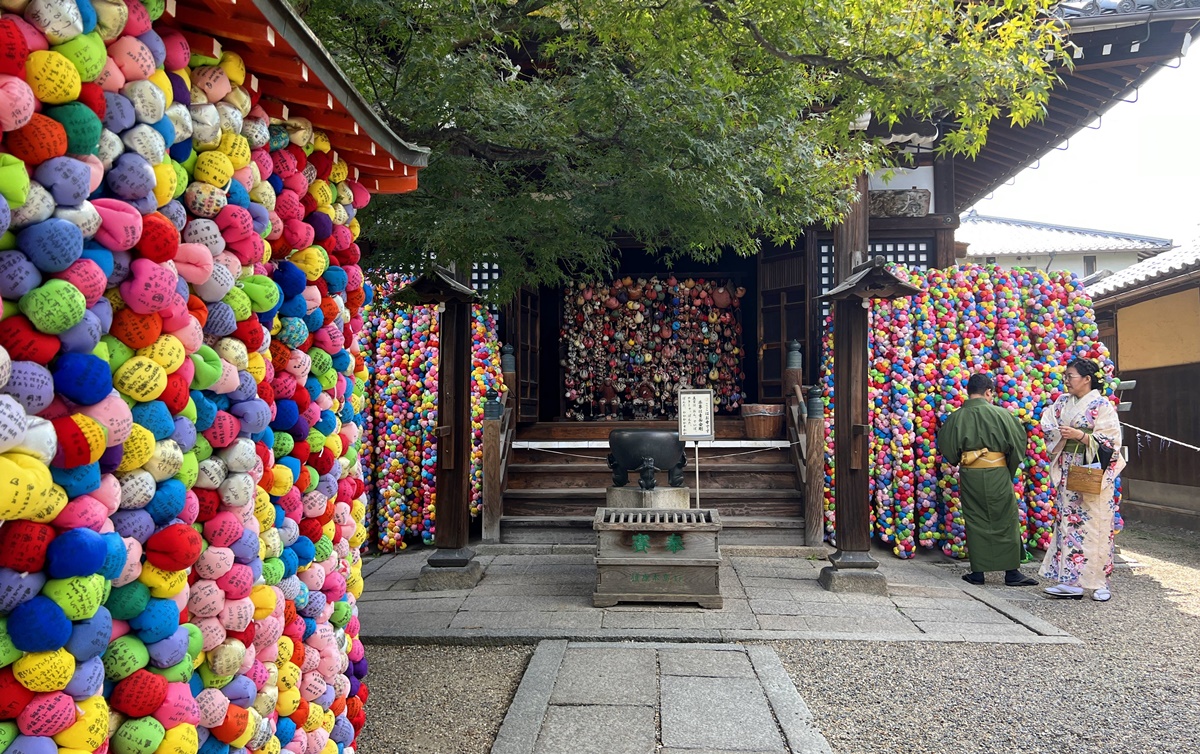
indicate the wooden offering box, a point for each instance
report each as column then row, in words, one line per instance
column 657, row 555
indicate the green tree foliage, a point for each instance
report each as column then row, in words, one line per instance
column 560, row 128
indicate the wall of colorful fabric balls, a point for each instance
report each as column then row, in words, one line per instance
column 179, row 401
column 1020, row 326
column 633, row 343
column 401, row 346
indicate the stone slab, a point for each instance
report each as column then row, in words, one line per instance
column 704, row 663
column 792, row 714
column 519, row 732
column 858, row 580
column 659, row 497
column 452, row 577
column 717, row 713
column 597, row 730
column 496, row 621
column 620, row 676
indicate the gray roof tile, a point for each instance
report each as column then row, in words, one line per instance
column 1166, row 265
column 1002, row 236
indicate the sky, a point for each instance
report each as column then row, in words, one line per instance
column 1138, row 173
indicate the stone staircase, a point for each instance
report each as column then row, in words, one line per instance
column 555, row 485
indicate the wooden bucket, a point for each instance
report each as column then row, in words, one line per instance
column 764, row 421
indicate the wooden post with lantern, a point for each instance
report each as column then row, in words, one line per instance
column 453, row 564
column 852, row 568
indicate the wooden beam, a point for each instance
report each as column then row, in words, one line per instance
column 943, row 185
column 225, row 27
column 850, row 238
column 313, row 96
column 289, row 69
column 332, row 122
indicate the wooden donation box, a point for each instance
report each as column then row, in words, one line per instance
column 657, row 555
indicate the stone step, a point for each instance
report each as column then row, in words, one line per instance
column 712, row 476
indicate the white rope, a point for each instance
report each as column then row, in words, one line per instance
column 1161, row 437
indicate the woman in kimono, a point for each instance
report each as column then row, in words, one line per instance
column 1082, row 428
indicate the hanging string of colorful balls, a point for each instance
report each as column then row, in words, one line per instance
column 1020, row 326
column 402, row 346
column 180, row 399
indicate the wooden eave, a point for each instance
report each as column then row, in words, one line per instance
column 296, row 77
column 1115, row 55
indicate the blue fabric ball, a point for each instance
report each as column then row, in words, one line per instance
column 82, row 378
column 165, row 127
column 314, row 320
column 196, row 684
column 156, row 417
column 237, row 194
column 305, row 550
column 341, row 361
column 39, row 625
column 292, row 463
column 285, row 729
column 206, row 410
column 276, row 183
column 76, row 552
column 159, row 620
column 168, row 501
column 90, row 637
column 290, row 279
column 335, row 278
column 181, row 151
column 293, row 306
column 291, row 563
column 286, row 414
column 327, row 423
column 79, row 480
column 115, row 555
column 52, row 245
column 313, row 386
column 87, row 14
column 101, row 256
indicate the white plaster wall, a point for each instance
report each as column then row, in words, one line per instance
column 1113, row 261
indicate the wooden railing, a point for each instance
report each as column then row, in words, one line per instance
column 806, row 433
column 497, row 450
column 796, row 434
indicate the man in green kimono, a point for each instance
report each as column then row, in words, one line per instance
column 988, row 443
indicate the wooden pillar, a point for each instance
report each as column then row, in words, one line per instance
column 454, row 428
column 853, row 524
column 851, row 237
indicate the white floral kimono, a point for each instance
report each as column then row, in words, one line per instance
column 1081, row 552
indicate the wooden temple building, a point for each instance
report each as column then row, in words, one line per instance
column 589, row 356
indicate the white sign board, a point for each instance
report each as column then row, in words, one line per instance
column 696, row 415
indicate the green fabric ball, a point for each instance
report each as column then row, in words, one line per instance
column 129, row 601
column 83, row 127
column 124, row 657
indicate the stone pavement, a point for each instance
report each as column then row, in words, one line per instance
column 529, row 593
column 626, row 698
column 669, row 678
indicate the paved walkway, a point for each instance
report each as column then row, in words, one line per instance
column 606, row 680
column 528, row 597
column 605, row 698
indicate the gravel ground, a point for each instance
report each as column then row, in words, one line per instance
column 1132, row 687
column 438, row 699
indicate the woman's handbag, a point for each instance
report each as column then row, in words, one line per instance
column 1088, row 478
